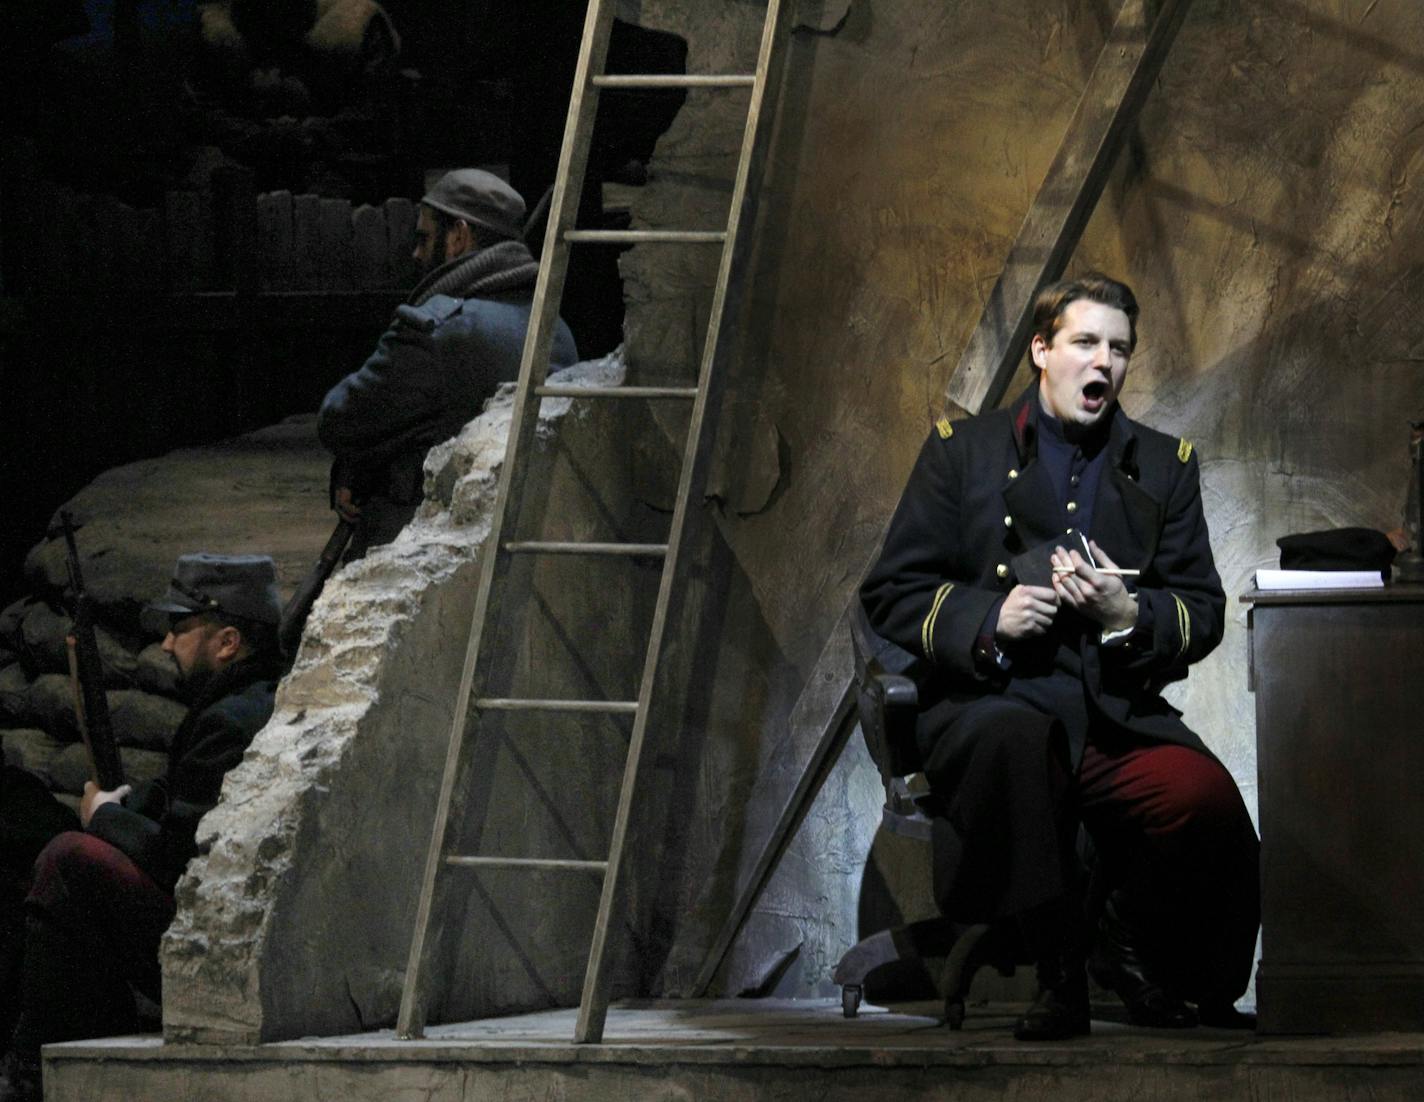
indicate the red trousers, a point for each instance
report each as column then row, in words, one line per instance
column 94, row 921
column 1172, row 838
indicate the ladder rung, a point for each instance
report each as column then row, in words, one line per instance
column 674, row 80
column 523, row 704
column 686, row 392
column 646, row 237
column 551, row 864
column 565, row 547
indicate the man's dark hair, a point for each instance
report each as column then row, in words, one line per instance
column 1054, row 299
column 260, row 638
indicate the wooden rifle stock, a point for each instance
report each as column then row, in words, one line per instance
column 91, row 705
column 294, row 615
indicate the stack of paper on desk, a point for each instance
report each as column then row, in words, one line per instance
column 1319, row 579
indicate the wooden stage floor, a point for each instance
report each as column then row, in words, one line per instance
column 747, row 1049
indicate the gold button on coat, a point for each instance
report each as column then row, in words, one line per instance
column 1002, row 570
column 1013, row 474
column 1008, row 522
column 1072, row 506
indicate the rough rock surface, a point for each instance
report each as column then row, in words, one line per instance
column 299, row 919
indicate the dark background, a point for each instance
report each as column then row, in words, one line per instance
column 108, row 102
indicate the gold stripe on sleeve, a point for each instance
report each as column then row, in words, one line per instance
column 1184, row 625
column 927, row 628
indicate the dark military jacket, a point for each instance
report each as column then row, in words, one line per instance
column 157, row 824
column 979, row 496
column 431, row 373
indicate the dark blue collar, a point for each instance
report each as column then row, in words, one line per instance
column 1091, row 442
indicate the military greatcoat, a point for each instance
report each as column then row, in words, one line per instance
column 979, row 496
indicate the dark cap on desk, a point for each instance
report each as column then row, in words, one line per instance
column 1337, row 549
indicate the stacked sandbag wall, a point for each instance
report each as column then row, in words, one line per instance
column 38, row 725
column 263, row 492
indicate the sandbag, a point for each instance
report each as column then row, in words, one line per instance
column 43, row 632
column 14, row 696
column 10, row 620
column 34, row 750
column 70, row 768
column 51, row 704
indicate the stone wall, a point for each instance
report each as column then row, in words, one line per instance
column 1267, row 213
column 299, row 919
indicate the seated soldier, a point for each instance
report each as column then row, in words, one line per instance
column 459, row 336
column 1001, row 569
column 102, row 895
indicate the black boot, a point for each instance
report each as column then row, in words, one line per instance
column 1116, row 963
column 1061, row 1009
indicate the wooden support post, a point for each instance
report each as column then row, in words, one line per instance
column 335, row 239
column 235, row 255
column 235, row 230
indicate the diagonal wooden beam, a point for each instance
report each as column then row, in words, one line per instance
column 1126, row 69
column 1128, row 66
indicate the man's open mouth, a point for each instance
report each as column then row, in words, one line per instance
column 1095, row 391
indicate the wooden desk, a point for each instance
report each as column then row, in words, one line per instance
column 1339, row 684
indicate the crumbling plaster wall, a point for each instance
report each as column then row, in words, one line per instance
column 299, row 919
column 1267, row 212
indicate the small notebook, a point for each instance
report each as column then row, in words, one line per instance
column 1319, row 579
column 1035, row 566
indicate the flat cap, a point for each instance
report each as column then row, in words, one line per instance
column 480, row 198
column 239, row 585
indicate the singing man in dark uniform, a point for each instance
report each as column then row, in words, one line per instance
column 1041, row 710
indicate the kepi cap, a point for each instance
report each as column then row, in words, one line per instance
column 480, row 198
column 1337, row 549
column 238, row 585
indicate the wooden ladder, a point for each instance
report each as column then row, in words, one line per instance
column 589, row 80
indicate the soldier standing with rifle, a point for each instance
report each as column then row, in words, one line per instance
column 102, row 896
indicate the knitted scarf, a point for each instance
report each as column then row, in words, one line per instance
column 503, row 267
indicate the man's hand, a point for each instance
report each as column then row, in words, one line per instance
column 1027, row 611
column 1098, row 596
column 95, row 798
column 346, row 507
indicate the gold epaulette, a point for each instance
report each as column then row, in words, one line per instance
column 944, row 428
column 1184, row 449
